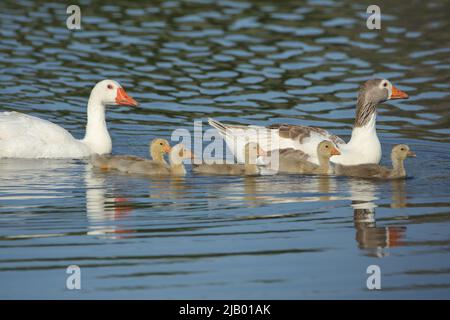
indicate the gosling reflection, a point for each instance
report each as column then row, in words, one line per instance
column 102, row 207
column 257, row 191
column 251, row 193
column 398, row 194
column 370, row 237
column 171, row 191
column 306, row 188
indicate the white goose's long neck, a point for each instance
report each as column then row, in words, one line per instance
column 97, row 136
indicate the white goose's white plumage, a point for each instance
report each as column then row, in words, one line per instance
column 363, row 147
column 25, row 136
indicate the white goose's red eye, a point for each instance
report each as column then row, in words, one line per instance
column 110, row 86
column 385, row 84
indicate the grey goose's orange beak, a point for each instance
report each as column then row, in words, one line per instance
column 398, row 94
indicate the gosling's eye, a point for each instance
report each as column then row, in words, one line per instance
column 403, row 149
column 110, row 86
column 326, row 147
column 161, row 143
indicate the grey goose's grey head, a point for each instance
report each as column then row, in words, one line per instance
column 371, row 93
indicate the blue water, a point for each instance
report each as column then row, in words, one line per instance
column 293, row 237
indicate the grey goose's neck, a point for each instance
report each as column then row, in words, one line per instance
column 364, row 110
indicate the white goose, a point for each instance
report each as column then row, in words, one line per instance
column 363, row 147
column 25, row 136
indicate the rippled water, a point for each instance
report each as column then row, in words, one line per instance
column 255, row 62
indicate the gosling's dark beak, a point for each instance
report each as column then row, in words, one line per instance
column 411, row 154
column 335, row 152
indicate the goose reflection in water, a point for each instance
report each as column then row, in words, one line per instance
column 260, row 191
column 266, row 190
column 103, row 212
column 106, row 208
column 375, row 239
column 25, row 187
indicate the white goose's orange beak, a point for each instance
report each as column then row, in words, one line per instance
column 398, row 94
column 123, row 99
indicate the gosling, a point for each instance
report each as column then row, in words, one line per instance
column 369, row 170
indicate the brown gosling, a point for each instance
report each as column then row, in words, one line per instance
column 157, row 149
column 176, row 167
column 296, row 161
column 249, row 168
column 399, row 153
